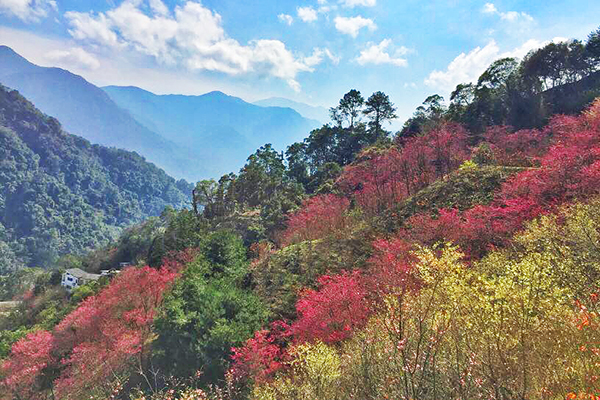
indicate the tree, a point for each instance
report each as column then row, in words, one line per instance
column 28, row 359
column 592, row 49
column 379, row 109
column 557, row 64
column 349, row 108
column 208, row 311
column 260, row 178
column 426, row 117
column 334, row 311
column 496, row 76
column 103, row 342
column 204, row 194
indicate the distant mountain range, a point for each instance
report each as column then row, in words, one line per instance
column 222, row 130
column 320, row 114
column 191, row 137
column 87, row 111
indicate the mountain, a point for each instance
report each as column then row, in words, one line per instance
column 320, row 114
column 223, row 130
column 60, row 194
column 87, row 111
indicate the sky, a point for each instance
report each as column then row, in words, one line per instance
column 311, row 51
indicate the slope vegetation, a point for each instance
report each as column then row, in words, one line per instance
column 60, row 194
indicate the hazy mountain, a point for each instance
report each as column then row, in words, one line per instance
column 320, row 114
column 223, row 130
column 60, row 194
column 86, row 110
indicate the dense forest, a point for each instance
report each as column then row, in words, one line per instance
column 457, row 259
column 60, row 194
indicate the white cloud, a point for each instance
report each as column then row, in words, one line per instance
column 509, row 16
column 467, row 67
column 325, row 7
column 191, row 36
column 318, row 56
column 355, row 3
column 158, row 7
column 85, row 26
column 288, row 19
column 489, row 8
column 73, row 58
column 28, row 10
column 377, row 54
column 351, row 26
column 119, row 68
column 307, row 14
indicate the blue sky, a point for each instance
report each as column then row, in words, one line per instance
column 306, row 50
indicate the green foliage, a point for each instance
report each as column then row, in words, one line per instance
column 8, row 337
column 209, row 310
column 427, row 116
column 46, row 306
column 279, row 275
column 349, row 109
column 379, row 109
column 469, row 186
column 557, row 78
column 60, row 194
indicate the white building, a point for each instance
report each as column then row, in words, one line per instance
column 76, row 277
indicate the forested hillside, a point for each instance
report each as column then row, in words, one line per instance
column 60, row 194
column 452, row 261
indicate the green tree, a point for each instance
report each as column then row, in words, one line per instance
column 349, row 109
column 427, row 116
column 209, row 310
column 592, row 49
column 379, row 109
column 204, row 194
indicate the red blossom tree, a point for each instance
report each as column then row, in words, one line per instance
column 105, row 339
column 570, row 170
column 390, row 269
column 333, row 312
column 379, row 179
column 28, row 359
column 109, row 335
column 262, row 355
column 523, row 148
column 319, row 216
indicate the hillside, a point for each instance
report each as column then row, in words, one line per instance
column 60, row 194
column 222, row 130
column 85, row 110
column 425, row 253
column 459, row 259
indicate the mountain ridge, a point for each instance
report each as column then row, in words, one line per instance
column 317, row 113
column 88, row 111
column 227, row 122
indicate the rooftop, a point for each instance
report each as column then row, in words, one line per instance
column 79, row 273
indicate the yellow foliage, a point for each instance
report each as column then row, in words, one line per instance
column 314, row 374
column 521, row 323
